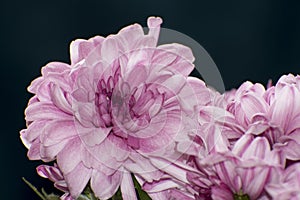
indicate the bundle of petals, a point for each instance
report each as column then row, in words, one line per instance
column 126, row 111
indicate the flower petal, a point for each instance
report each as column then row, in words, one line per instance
column 42, row 111
column 127, row 187
column 105, row 186
column 69, row 157
column 79, row 49
column 77, row 179
column 154, row 26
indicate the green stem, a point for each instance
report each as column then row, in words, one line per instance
column 34, row 189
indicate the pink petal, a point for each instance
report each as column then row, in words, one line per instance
column 257, row 148
column 56, row 131
column 175, row 58
column 257, row 128
column 43, row 111
column 69, row 157
column 294, row 126
column 59, row 99
column 283, row 106
column 127, row 187
column 35, row 84
column 142, row 166
column 62, row 80
column 160, row 185
column 113, row 152
column 121, row 150
column 254, row 180
column 85, row 114
column 154, row 26
column 24, row 140
column 242, row 145
column 161, row 132
column 110, row 50
column 48, row 153
column 105, row 186
column 221, row 192
column 134, row 80
column 77, row 179
column 214, row 140
column 55, row 67
column 79, row 49
column 184, row 52
column 172, row 85
column 129, row 37
column 66, row 196
column 252, row 105
column 61, row 185
column 34, row 150
column 34, row 130
column 50, row 172
column 291, row 150
column 204, row 95
column 94, row 136
column 171, row 169
column 227, row 172
column 189, row 99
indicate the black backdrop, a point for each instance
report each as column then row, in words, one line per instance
column 254, row 40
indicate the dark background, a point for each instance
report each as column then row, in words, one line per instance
column 254, row 40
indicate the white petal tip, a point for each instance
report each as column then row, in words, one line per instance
column 154, row 22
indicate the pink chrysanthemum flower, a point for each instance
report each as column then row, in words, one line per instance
column 284, row 116
column 120, row 104
column 273, row 113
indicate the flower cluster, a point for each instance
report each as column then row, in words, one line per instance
column 126, row 107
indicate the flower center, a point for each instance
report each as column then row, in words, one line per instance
column 103, row 98
column 126, row 109
column 133, row 108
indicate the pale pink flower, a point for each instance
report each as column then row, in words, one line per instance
column 246, row 103
column 288, row 185
column 284, row 114
column 277, row 116
column 118, row 106
column 273, row 113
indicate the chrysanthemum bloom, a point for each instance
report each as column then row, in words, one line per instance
column 284, row 116
column 54, row 174
column 118, row 106
column 273, row 113
column 288, row 184
column 240, row 173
